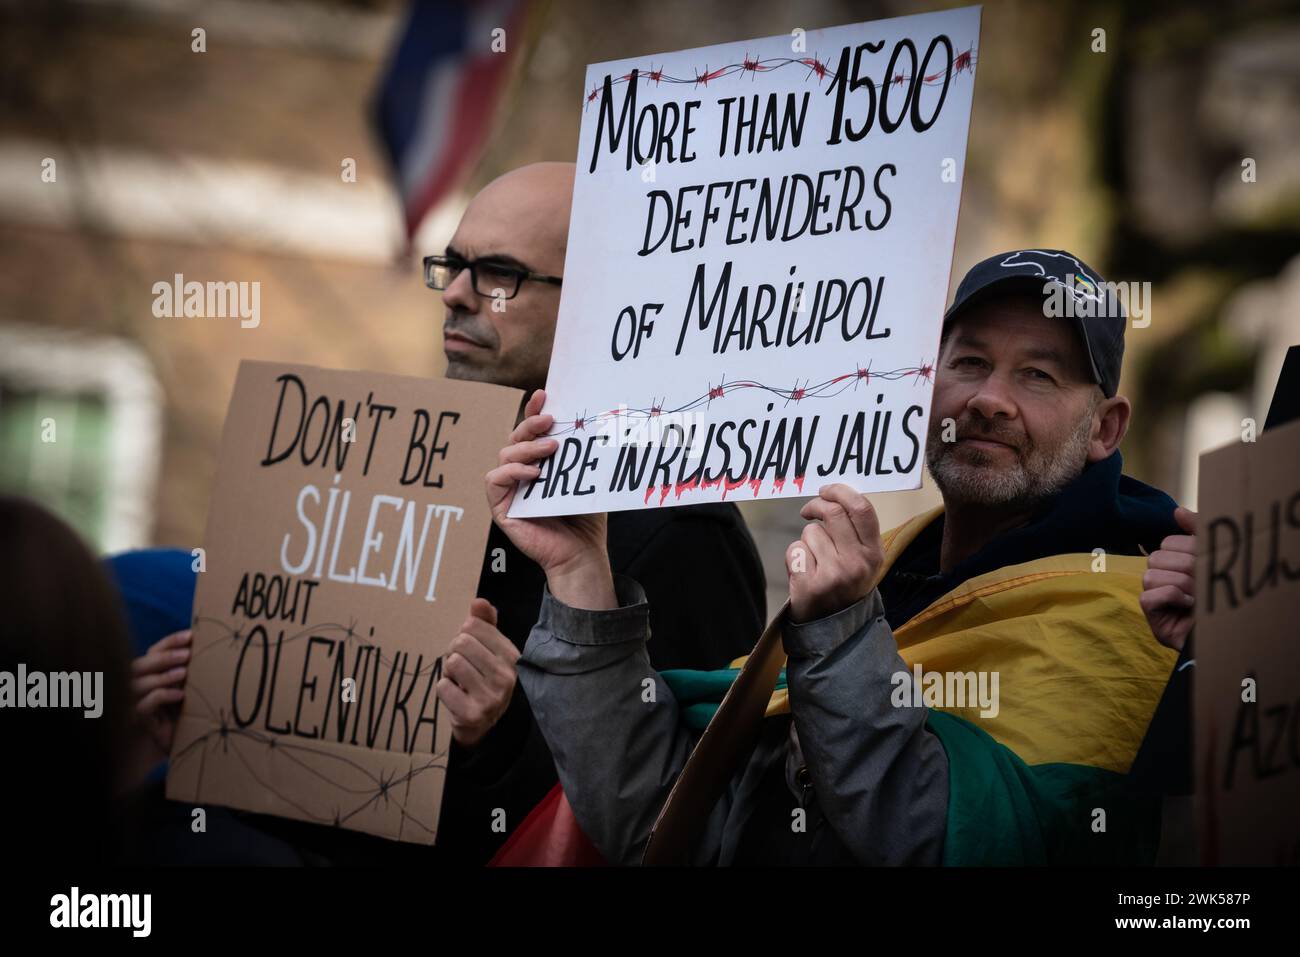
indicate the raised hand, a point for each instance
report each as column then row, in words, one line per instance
column 158, row 684
column 836, row 560
column 1169, row 584
column 478, row 675
column 571, row 549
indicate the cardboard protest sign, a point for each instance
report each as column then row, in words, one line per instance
column 1247, row 645
column 758, row 261
column 345, row 541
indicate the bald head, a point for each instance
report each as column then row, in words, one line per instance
column 519, row 222
column 529, row 209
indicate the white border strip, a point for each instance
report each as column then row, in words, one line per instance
column 64, row 361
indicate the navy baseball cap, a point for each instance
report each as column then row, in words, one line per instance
column 1085, row 298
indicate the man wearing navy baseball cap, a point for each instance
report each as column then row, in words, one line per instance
column 1031, row 387
column 969, row 688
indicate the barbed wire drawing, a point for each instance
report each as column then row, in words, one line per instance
column 964, row 62
column 795, row 393
column 354, row 787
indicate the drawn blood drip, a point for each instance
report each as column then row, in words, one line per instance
column 730, row 486
column 677, row 489
column 689, row 486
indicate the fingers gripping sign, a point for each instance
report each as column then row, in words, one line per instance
column 837, row 558
column 571, row 549
column 1169, row 585
column 158, row 686
column 478, row 675
column 517, row 462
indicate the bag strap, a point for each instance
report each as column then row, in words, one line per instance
column 727, row 741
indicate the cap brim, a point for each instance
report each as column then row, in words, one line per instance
column 1030, row 284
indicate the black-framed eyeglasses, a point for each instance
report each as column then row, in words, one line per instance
column 494, row 280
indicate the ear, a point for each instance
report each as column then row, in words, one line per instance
column 1110, row 425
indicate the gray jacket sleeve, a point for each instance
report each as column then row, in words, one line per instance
column 880, row 777
column 608, row 717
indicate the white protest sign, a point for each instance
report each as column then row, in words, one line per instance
column 758, row 261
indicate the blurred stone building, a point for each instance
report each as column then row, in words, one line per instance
column 1157, row 140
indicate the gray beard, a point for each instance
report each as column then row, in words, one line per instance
column 1036, row 476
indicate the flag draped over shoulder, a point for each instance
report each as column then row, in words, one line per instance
column 438, row 99
column 1042, row 781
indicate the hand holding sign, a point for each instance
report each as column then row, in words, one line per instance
column 478, row 675
column 570, row 549
column 158, row 683
column 835, row 562
column 1168, row 586
column 758, row 259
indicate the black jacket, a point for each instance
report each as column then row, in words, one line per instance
column 701, row 570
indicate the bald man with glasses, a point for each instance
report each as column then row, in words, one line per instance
column 500, row 278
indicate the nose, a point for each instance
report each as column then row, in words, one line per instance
column 993, row 398
column 460, row 295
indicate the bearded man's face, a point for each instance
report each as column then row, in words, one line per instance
column 1023, row 408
